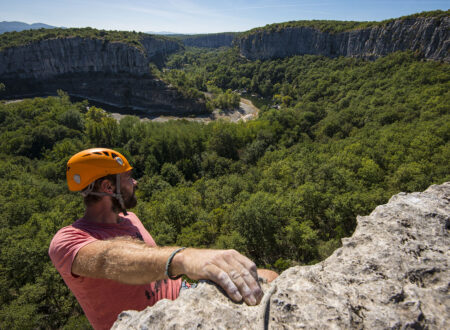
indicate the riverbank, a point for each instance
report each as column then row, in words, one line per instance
column 247, row 111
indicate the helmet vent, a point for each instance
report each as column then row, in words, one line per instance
column 97, row 153
column 113, row 155
column 106, row 153
column 77, row 178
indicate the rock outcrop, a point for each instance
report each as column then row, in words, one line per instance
column 53, row 57
column 393, row 273
column 213, row 40
column 429, row 36
column 112, row 73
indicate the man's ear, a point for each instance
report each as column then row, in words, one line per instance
column 107, row 186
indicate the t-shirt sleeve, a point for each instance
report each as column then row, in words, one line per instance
column 65, row 246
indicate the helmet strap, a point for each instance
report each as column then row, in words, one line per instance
column 117, row 195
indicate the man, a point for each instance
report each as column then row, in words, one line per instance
column 111, row 263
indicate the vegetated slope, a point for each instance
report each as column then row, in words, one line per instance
column 283, row 189
column 15, row 39
column 426, row 33
column 333, row 27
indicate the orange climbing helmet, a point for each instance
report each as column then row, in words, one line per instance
column 89, row 165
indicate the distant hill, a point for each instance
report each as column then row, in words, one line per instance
column 20, row 26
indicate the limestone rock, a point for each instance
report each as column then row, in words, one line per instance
column 53, row 57
column 429, row 36
column 392, row 273
column 110, row 73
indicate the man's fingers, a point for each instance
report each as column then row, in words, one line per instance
column 233, row 263
column 248, row 264
column 242, row 276
column 220, row 277
column 244, row 289
column 235, row 273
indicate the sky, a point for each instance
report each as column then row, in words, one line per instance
column 203, row 16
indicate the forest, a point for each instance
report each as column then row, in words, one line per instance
column 331, row 26
column 15, row 39
column 334, row 139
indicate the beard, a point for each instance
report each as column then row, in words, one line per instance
column 129, row 201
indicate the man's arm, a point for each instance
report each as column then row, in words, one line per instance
column 133, row 262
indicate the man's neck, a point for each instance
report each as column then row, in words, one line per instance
column 100, row 213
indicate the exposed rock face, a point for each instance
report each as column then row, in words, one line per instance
column 52, row 57
column 393, row 273
column 108, row 72
column 429, row 36
column 213, row 40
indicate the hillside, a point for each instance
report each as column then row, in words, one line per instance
column 426, row 33
column 110, row 67
column 335, row 137
column 334, row 27
column 282, row 189
column 15, row 39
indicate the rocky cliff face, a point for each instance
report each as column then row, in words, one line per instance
column 393, row 273
column 429, row 36
column 213, row 40
column 109, row 72
column 53, row 57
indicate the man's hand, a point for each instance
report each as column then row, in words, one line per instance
column 133, row 262
column 235, row 273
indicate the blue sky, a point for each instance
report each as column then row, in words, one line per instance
column 203, row 16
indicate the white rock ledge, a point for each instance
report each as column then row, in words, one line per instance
column 393, row 273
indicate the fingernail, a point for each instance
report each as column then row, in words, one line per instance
column 252, row 301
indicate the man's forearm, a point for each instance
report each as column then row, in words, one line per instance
column 132, row 262
column 124, row 260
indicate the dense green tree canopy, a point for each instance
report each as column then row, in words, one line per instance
column 335, row 138
column 14, row 39
column 342, row 26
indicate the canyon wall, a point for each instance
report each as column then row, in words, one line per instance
column 113, row 73
column 213, row 40
column 429, row 36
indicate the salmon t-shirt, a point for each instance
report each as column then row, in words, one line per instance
column 101, row 299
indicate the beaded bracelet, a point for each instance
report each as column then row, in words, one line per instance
column 169, row 261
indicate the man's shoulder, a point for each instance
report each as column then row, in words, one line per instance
column 66, row 230
column 132, row 217
column 68, row 236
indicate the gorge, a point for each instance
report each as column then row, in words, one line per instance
column 118, row 73
column 113, row 73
